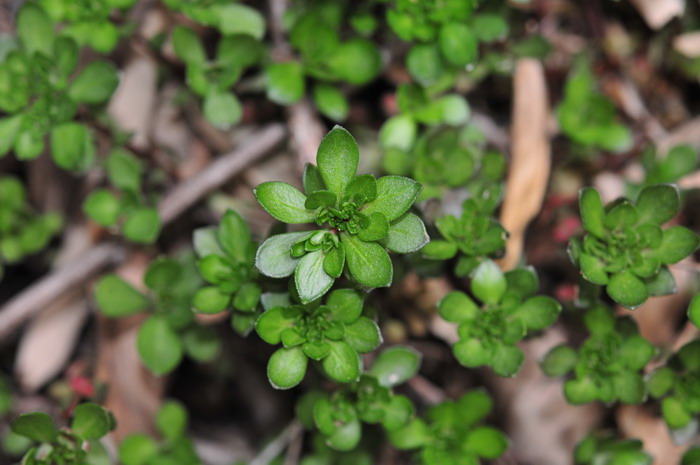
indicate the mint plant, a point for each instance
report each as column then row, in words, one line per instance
column 509, row 311
column 22, row 230
column 40, row 95
column 361, row 216
column 125, row 205
column 226, row 258
column 74, row 444
column 608, row 365
column 334, row 334
column 450, row 433
column 338, row 417
column 625, row 248
column 169, row 332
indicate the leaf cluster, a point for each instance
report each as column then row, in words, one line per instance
column 607, row 450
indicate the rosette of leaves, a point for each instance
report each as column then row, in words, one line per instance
column 69, row 444
column 88, row 22
column 22, row 230
column 212, row 79
column 40, row 96
column 587, row 117
column 226, row 258
column 607, row 450
column 474, row 236
column 625, row 248
column 323, row 56
column 334, row 334
column 399, row 137
column 608, row 366
column 168, row 331
column 446, row 36
column 125, row 205
column 488, row 333
column 450, row 434
column 339, row 416
column 361, row 217
column 174, row 447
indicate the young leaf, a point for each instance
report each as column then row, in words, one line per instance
column 368, row 262
column 187, row 46
column 171, row 420
column 284, row 202
column 91, row 421
column 9, row 128
column 457, row 307
column 488, row 283
column 377, row 228
column 342, row 363
column 35, row 29
column 273, row 322
column 241, row 19
column 334, row 262
column 486, row 442
column 36, row 426
column 658, row 204
column 395, row 195
column 222, row 108
column 247, row 297
column 124, row 171
column 312, row 179
column 407, row 234
column 71, row 146
column 331, row 102
column 559, row 361
column 102, row 207
column 627, row 290
column 206, row 242
column 345, row 305
column 424, row 63
column 211, row 299
column 116, row 298
column 356, row 61
column 310, row 278
column 95, row 83
column 677, row 243
column 538, row 312
column 273, row 258
column 285, row 82
column 337, row 159
column 507, row 360
column 158, row 345
column 137, row 449
column 142, row 225
column 396, row 365
column 234, row 236
column 458, row 43
column 363, row 335
column 398, row 132
column 437, row 250
column 412, row 436
column 287, row 367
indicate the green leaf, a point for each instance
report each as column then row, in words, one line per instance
column 377, row 228
column 368, row 262
column 398, row 132
column 337, row 159
column 397, row 413
column 29, row 145
column 674, row 413
column 474, row 406
column 36, row 426
column 116, row 298
column 187, row 46
column 694, row 310
column 363, row 335
column 234, row 236
column 238, row 51
column 218, row 270
column 455, row 109
column 171, row 420
column 629, row 387
column 247, row 297
column 658, row 204
column 424, row 64
column 331, row 102
column 284, row 202
column 222, row 108
column 241, row 19
column 137, row 449
column 285, row 82
column 395, row 195
column 627, row 290
column 396, row 365
column 412, row 436
column 102, row 207
column 342, row 364
column 457, row 307
column 72, row 147
column 471, row 353
column 142, row 225
column 661, row 381
column 407, row 234
column 312, row 179
column 124, row 171
column 95, row 83
column 438, row 250
column 356, row 61
column 9, row 129
column 345, row 305
column 592, row 212
column 310, row 279
column 538, row 312
column 661, row 284
column 488, row 283
column 334, row 262
column 158, row 345
column 273, row 258
column 211, row 299
column 273, row 322
column 458, row 44
column 593, row 269
column 205, row 241
column 636, row 352
column 91, row 421
column 486, row 442
column 507, row 360
column 490, row 27
column 677, row 243
column 559, row 361
column 361, row 189
column 319, row 199
column 287, row 367
column 35, row 29
column 202, row 343
column 580, row 391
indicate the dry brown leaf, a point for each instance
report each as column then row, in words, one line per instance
column 657, row 13
column 530, row 158
column 637, row 422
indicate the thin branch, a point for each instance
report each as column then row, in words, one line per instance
column 275, row 448
column 32, row 300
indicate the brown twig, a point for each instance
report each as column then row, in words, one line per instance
column 32, row 300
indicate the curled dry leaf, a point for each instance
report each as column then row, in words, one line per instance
column 528, row 173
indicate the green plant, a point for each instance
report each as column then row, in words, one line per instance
column 41, row 96
column 608, row 365
column 362, row 217
column 450, row 434
column 169, row 332
column 509, row 311
column 74, row 444
column 625, row 248
column 606, row 450
column 226, row 257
